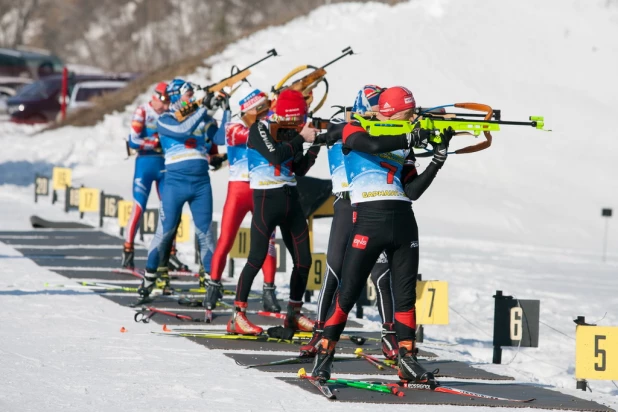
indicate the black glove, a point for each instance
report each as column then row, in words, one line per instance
column 329, row 139
column 220, row 100
column 440, row 150
column 418, row 137
column 217, row 160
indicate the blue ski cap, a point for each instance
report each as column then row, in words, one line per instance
column 367, row 97
column 176, row 88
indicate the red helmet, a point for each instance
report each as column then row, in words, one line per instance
column 394, row 100
column 291, row 107
column 161, row 92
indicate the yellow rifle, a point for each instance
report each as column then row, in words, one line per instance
column 437, row 123
column 236, row 76
column 310, row 81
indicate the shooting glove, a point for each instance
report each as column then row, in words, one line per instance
column 216, row 161
column 440, row 150
column 418, row 137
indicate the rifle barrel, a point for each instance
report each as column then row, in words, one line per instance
column 505, row 122
column 270, row 53
column 347, row 51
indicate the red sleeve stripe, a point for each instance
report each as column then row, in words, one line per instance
column 409, row 174
column 351, row 128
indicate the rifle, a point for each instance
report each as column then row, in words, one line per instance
column 235, row 76
column 438, row 122
column 306, row 84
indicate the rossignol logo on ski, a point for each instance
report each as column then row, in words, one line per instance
column 417, row 386
column 360, row 242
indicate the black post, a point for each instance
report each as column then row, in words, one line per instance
column 81, row 214
column 419, row 334
column 359, row 311
column 497, row 359
column 101, row 208
column 67, row 198
column 230, row 268
column 581, row 384
column 497, row 355
column 35, row 182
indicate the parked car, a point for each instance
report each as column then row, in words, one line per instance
column 83, row 92
column 29, row 63
column 8, row 88
column 39, row 102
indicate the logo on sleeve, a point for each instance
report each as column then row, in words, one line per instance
column 360, row 242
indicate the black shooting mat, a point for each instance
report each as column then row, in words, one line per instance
column 356, row 366
column 60, row 238
column 343, row 347
column 544, row 398
column 112, row 252
column 98, row 275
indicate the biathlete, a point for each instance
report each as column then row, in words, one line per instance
column 149, row 166
column 383, row 177
column 239, row 202
column 186, row 145
column 275, row 156
column 366, row 101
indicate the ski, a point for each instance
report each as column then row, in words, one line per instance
column 145, row 314
column 229, row 336
column 371, row 386
column 287, row 361
column 139, row 273
column 324, row 390
column 455, row 391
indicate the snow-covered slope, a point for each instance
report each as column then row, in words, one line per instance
column 556, row 59
column 523, row 216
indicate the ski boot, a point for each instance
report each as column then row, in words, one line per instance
column 163, row 280
column 409, row 368
column 324, row 360
column 213, row 294
column 310, row 349
column 390, row 346
column 269, row 298
column 175, row 264
column 240, row 324
column 127, row 256
column 148, row 284
column 203, row 276
column 296, row 320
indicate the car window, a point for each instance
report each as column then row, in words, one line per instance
column 39, row 89
column 85, row 94
column 11, row 65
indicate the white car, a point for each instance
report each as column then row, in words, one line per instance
column 84, row 91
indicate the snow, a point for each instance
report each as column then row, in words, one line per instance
column 522, row 216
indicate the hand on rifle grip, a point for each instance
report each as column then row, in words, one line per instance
column 418, row 137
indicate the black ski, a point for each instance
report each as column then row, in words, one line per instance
column 456, row 391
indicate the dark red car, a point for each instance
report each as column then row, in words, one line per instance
column 39, row 102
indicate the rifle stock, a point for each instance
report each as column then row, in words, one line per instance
column 229, row 81
column 237, row 77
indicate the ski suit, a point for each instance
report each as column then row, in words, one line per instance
column 149, row 164
column 272, row 170
column 186, row 146
column 383, row 177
